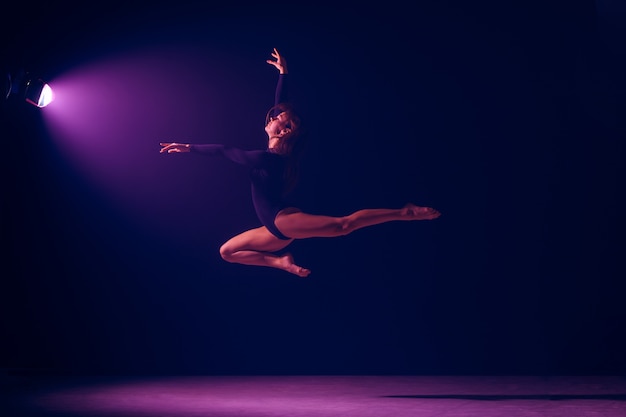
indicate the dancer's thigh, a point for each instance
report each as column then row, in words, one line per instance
column 300, row 225
column 258, row 239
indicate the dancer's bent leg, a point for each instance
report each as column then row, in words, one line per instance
column 256, row 247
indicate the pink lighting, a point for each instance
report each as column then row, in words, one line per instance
column 110, row 115
column 341, row 396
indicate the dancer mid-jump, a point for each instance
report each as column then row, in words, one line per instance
column 273, row 174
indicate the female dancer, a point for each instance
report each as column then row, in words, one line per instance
column 273, row 173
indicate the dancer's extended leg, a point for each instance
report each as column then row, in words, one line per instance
column 255, row 247
column 300, row 225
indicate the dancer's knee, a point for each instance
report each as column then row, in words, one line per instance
column 344, row 225
column 226, row 252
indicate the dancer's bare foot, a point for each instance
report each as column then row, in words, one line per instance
column 286, row 262
column 413, row 212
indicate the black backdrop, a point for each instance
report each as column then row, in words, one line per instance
column 507, row 118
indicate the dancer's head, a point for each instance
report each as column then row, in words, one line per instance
column 283, row 127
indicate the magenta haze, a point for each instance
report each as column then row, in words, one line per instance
column 341, row 396
column 109, row 116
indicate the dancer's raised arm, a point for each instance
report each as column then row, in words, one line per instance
column 281, row 95
column 280, row 63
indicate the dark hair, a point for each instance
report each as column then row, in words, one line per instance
column 291, row 145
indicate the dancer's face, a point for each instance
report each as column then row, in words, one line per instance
column 279, row 126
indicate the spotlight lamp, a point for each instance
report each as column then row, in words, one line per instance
column 32, row 89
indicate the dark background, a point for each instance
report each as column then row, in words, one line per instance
column 505, row 116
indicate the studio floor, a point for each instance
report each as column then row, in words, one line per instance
column 314, row 396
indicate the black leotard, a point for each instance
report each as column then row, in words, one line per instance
column 266, row 172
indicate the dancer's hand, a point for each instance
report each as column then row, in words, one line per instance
column 171, row 147
column 280, row 63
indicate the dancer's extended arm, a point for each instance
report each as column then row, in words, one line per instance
column 240, row 156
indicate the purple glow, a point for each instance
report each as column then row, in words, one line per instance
column 342, row 396
column 222, row 396
column 109, row 117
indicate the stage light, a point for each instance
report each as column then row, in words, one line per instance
column 32, row 89
column 38, row 93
